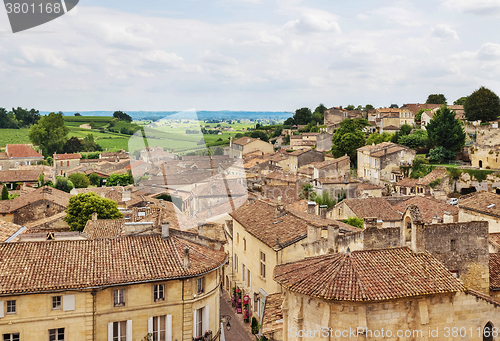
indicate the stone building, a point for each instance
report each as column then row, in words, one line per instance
column 11, row 178
column 65, row 162
column 303, row 157
column 245, row 145
column 335, row 168
column 376, row 162
column 365, row 208
column 42, row 203
column 426, row 185
column 433, row 211
column 380, row 294
column 109, row 289
column 324, row 142
column 18, row 155
column 482, row 206
column 335, row 115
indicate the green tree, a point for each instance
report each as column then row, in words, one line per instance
column 438, row 154
column 289, row 122
column 377, row 138
column 77, row 114
column 444, row 130
column 41, row 180
column 50, row 160
column 81, row 207
column 403, row 131
column 5, row 193
column 369, row 107
column 259, row 134
column 460, row 101
column 49, row 133
column 302, row 116
column 94, row 179
column 79, row 180
column 8, row 120
column 483, row 104
column 63, row 184
column 26, row 117
column 89, row 144
column 320, row 109
column 307, row 191
column 348, row 138
column 436, row 99
column 73, row 145
column 354, row 221
column 116, row 179
column 350, row 107
column 122, row 116
column 419, row 139
column 324, row 199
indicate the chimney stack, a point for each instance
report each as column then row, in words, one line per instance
column 322, row 211
column 370, row 223
column 333, row 235
column 94, row 216
column 165, row 230
column 311, row 207
column 417, row 237
column 186, row 258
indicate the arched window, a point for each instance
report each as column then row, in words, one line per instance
column 487, row 332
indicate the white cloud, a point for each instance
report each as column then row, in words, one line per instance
column 480, row 7
column 444, row 33
column 314, row 21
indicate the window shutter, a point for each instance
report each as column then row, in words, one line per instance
column 129, row 330
column 1, row 308
column 168, row 325
column 206, row 319
column 195, row 322
column 150, row 325
column 110, row 331
column 68, row 302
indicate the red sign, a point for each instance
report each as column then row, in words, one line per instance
column 245, row 299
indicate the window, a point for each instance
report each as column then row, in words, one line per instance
column 263, row 264
column 249, row 276
column 159, row 328
column 61, row 163
column 453, row 244
column 159, row 292
column 67, row 164
column 11, row 307
column 243, row 273
column 237, row 238
column 119, row 298
column 56, row 334
column 11, row 337
column 244, row 244
column 120, row 331
column 236, row 262
column 201, row 318
column 56, row 302
column 201, row 285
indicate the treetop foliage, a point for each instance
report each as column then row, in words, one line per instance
column 483, row 104
column 436, row 99
column 81, row 207
column 444, row 130
column 122, row 116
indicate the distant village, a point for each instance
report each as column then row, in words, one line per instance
column 310, row 235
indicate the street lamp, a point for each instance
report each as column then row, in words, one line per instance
column 226, row 318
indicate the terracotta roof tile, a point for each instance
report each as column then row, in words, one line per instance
column 48, row 193
column 495, row 271
column 272, row 314
column 104, row 228
column 370, row 275
column 242, row 141
column 494, row 239
column 15, row 175
column 21, row 151
column 429, row 207
column 485, row 202
column 372, row 207
column 7, row 229
column 58, row 157
column 59, row 265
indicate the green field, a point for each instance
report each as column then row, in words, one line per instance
column 171, row 135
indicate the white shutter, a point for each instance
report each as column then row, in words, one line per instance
column 168, row 325
column 129, row 330
column 1, row 308
column 110, row 331
column 206, row 319
column 68, row 302
column 150, row 325
column 195, row 322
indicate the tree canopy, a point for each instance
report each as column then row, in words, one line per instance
column 64, row 184
column 483, row 104
column 436, row 99
column 444, row 130
column 80, row 180
column 81, row 207
column 73, row 145
column 302, row 116
column 418, row 139
column 377, row 138
column 418, row 116
column 122, row 116
column 49, row 133
column 460, row 101
column 348, row 138
column 116, row 179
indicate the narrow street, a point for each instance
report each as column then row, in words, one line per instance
column 239, row 331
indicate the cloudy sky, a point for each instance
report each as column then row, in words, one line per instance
column 250, row 54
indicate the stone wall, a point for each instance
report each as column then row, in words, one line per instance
column 37, row 210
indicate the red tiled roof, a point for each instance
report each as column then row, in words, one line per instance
column 495, row 271
column 272, row 314
column 52, row 194
column 77, row 264
column 428, row 207
column 482, row 202
column 242, row 141
column 15, row 175
column 58, row 157
column 7, row 229
column 21, row 151
column 369, row 275
column 104, row 228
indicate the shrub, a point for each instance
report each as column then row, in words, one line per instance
column 80, row 180
column 255, row 326
column 354, row 221
column 435, row 183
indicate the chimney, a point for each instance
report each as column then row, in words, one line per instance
column 436, row 219
column 312, row 234
column 447, row 217
column 370, row 223
column 311, row 207
column 333, row 235
column 94, row 216
column 165, row 230
column 417, row 237
column 279, row 211
column 322, row 211
column 186, row 258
